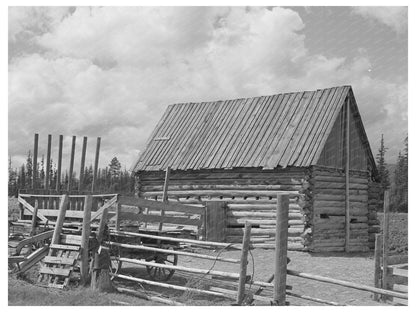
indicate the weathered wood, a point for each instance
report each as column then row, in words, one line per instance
column 386, row 222
column 233, row 221
column 118, row 217
column 327, row 302
column 97, row 157
column 59, row 168
column 347, row 177
column 170, row 286
column 257, row 214
column 48, row 163
column 145, row 296
column 157, row 205
column 101, row 226
column 55, row 271
column 215, row 221
column 243, row 264
column 294, row 207
column 86, row 230
column 107, row 205
column 164, row 196
column 63, row 205
column 246, row 193
column 27, row 206
column 59, row 260
column 174, row 252
column 81, row 170
column 377, row 262
column 346, row 284
column 34, row 219
column 200, row 187
column 35, row 162
column 71, row 164
column 71, row 239
column 33, row 240
column 64, row 247
column 270, row 231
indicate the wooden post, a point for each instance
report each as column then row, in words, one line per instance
column 59, row 169
column 34, row 218
column 377, row 268
column 165, row 196
column 81, row 170
column 86, row 230
column 280, row 265
column 63, row 205
column 347, row 180
column 243, row 264
column 215, row 221
column 118, row 209
column 101, row 226
column 71, row 164
column 386, row 221
column 97, row 156
column 35, row 161
column 48, row 163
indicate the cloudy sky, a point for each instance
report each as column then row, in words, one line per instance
column 112, row 71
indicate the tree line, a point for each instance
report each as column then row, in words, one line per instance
column 111, row 179
column 399, row 185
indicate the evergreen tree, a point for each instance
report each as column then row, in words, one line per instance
column 12, row 183
column 21, row 183
column 42, row 172
column 400, row 200
column 383, row 173
column 114, row 168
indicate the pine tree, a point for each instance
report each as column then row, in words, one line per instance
column 12, row 187
column 21, row 183
column 383, row 173
column 400, row 202
column 29, row 169
column 42, row 172
column 114, row 168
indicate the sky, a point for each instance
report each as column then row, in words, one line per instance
column 112, row 71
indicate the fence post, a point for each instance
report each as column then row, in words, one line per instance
column 386, row 221
column 280, row 266
column 86, row 229
column 243, row 263
column 377, row 262
column 34, row 218
column 216, row 221
column 118, row 208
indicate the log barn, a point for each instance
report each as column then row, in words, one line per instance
column 311, row 145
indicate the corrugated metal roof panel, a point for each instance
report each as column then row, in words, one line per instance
column 269, row 131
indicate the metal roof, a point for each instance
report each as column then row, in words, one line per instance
column 280, row 130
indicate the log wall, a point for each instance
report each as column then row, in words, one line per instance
column 250, row 195
column 328, row 220
column 375, row 203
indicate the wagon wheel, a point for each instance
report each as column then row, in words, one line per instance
column 161, row 274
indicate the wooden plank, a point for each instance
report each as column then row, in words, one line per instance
column 71, row 239
column 33, row 240
column 54, row 213
column 242, row 193
column 107, row 205
column 71, row 163
column 64, row 247
column 271, row 130
column 35, row 162
column 158, row 219
column 243, row 264
column 164, row 196
column 215, row 221
column 86, row 231
column 55, row 271
column 401, row 288
column 347, row 179
column 157, row 205
column 97, row 157
column 59, row 260
column 48, row 163
column 259, row 127
column 386, row 221
column 81, row 170
column 31, row 209
column 59, row 168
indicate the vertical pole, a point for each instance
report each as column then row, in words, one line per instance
column 97, row 156
column 103, row 221
column 86, row 230
column 243, row 264
column 165, row 196
column 280, row 265
column 34, row 218
column 48, row 163
column 71, row 164
column 35, row 161
column 347, row 180
column 377, row 268
column 386, row 221
column 81, row 170
column 59, row 169
column 118, row 208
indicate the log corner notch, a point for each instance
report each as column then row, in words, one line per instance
column 305, row 203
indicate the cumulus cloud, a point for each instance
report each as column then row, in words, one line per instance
column 111, row 72
column 394, row 17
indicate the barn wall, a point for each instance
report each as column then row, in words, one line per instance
column 334, row 151
column 375, row 203
column 328, row 224
column 248, row 192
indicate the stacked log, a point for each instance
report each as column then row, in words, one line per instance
column 328, row 225
column 250, row 195
column 375, row 203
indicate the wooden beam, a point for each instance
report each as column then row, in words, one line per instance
column 280, row 265
column 101, row 226
column 63, row 205
column 386, row 221
column 31, row 209
column 71, row 164
column 158, row 205
column 81, row 170
column 108, row 204
column 59, row 169
column 34, row 218
column 35, row 161
column 86, row 230
column 165, row 195
column 347, row 179
column 243, row 264
column 48, row 163
column 377, row 265
column 97, row 157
